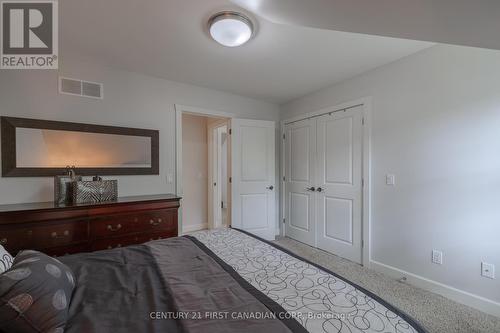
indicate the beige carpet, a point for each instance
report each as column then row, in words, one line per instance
column 436, row 313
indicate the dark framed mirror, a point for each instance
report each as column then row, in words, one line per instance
column 43, row 148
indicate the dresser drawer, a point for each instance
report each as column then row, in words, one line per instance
column 45, row 236
column 60, row 234
column 159, row 221
column 118, row 242
column 123, row 224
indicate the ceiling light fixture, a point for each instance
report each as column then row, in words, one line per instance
column 230, row 28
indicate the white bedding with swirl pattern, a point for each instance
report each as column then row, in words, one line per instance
column 320, row 301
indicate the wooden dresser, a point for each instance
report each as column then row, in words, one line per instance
column 61, row 230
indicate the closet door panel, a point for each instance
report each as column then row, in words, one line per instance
column 300, row 202
column 339, row 177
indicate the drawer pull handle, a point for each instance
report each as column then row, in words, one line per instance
column 154, row 224
column 3, row 241
column 118, row 227
column 56, row 236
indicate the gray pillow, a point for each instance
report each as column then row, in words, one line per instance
column 35, row 294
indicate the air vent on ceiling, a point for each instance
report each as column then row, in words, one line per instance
column 80, row 88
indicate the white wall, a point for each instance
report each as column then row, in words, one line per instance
column 194, row 172
column 436, row 126
column 130, row 99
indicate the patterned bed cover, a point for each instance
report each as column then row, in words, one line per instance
column 319, row 299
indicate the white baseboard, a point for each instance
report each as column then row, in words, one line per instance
column 194, row 227
column 457, row 295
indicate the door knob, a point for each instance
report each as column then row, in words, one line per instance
column 270, row 188
column 319, row 189
column 312, row 189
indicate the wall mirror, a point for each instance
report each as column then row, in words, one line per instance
column 39, row 148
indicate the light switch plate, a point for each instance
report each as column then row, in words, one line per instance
column 170, row 178
column 437, row 257
column 488, row 270
column 390, row 180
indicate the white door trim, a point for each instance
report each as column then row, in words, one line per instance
column 366, row 165
column 179, row 110
column 214, row 168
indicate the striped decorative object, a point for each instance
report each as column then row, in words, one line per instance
column 94, row 191
column 62, row 189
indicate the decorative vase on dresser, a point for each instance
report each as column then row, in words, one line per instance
column 67, row 229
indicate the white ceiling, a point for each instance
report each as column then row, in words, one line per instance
column 168, row 39
column 463, row 22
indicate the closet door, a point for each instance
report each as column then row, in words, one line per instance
column 300, row 200
column 339, row 188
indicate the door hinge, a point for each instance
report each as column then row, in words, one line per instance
column 363, row 121
column 284, row 221
column 230, row 131
column 284, row 179
column 230, row 179
column 283, row 136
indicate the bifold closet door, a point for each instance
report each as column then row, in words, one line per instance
column 300, row 199
column 339, row 187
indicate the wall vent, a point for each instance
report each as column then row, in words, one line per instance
column 82, row 88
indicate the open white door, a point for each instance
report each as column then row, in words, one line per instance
column 253, row 176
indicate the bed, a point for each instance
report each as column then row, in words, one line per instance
column 222, row 280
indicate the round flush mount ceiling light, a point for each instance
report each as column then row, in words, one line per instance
column 230, row 28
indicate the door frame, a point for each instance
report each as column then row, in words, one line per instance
column 179, row 111
column 214, row 152
column 366, row 102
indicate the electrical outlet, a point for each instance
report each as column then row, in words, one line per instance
column 488, row 270
column 390, row 180
column 437, row 257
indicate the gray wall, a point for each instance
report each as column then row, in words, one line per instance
column 130, row 99
column 436, row 126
